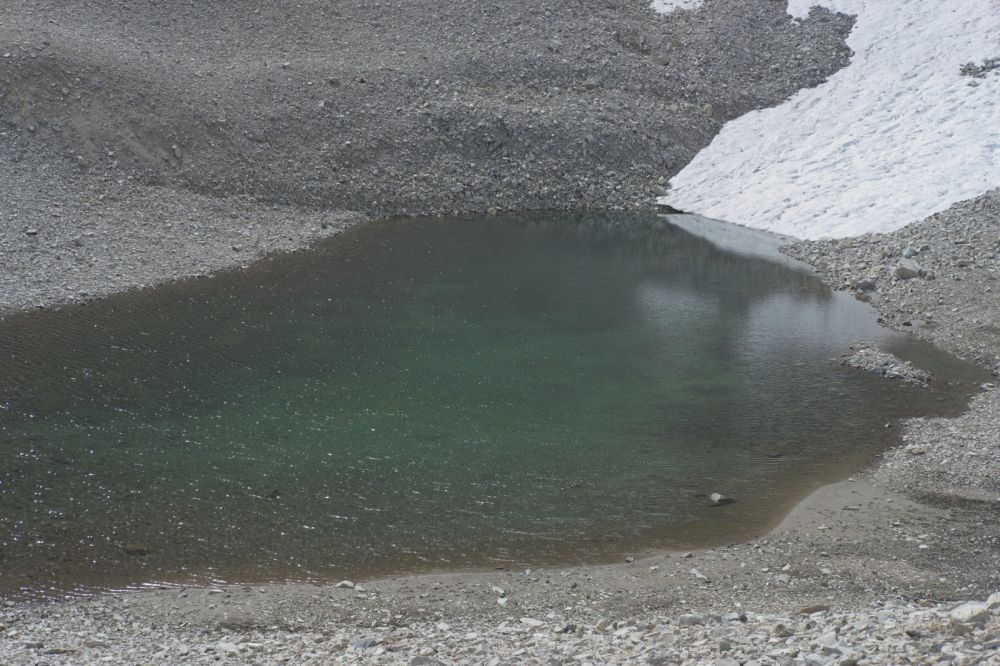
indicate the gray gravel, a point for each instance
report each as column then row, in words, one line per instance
column 948, row 290
column 199, row 113
column 949, row 295
column 864, row 356
column 112, row 631
column 949, row 460
column 78, row 250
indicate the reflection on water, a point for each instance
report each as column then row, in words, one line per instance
column 424, row 395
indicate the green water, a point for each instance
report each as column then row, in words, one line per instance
column 428, row 395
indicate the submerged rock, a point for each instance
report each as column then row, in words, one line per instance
column 135, row 549
column 718, row 499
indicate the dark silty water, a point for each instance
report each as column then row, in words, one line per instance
column 426, row 395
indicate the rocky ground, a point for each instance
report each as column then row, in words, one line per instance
column 186, row 146
column 211, row 135
column 936, row 278
column 897, row 632
column 867, row 357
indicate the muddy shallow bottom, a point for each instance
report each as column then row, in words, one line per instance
column 427, row 395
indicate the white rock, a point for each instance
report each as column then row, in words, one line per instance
column 972, row 612
column 691, row 620
column 668, row 6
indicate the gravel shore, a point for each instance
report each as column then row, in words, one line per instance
column 856, row 574
column 895, row 565
column 938, row 280
column 183, row 149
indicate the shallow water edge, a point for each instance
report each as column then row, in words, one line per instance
column 601, row 547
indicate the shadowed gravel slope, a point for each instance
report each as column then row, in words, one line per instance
column 418, row 108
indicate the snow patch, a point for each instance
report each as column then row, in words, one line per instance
column 895, row 136
column 667, row 6
column 735, row 238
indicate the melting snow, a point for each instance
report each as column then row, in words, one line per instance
column 895, row 136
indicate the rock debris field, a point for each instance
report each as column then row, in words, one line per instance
column 144, row 142
column 892, row 633
column 937, row 278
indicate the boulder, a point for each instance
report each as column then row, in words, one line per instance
column 907, row 269
column 865, row 284
column 718, row 499
column 691, row 620
column 972, row 612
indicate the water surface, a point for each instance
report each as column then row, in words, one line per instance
column 433, row 394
